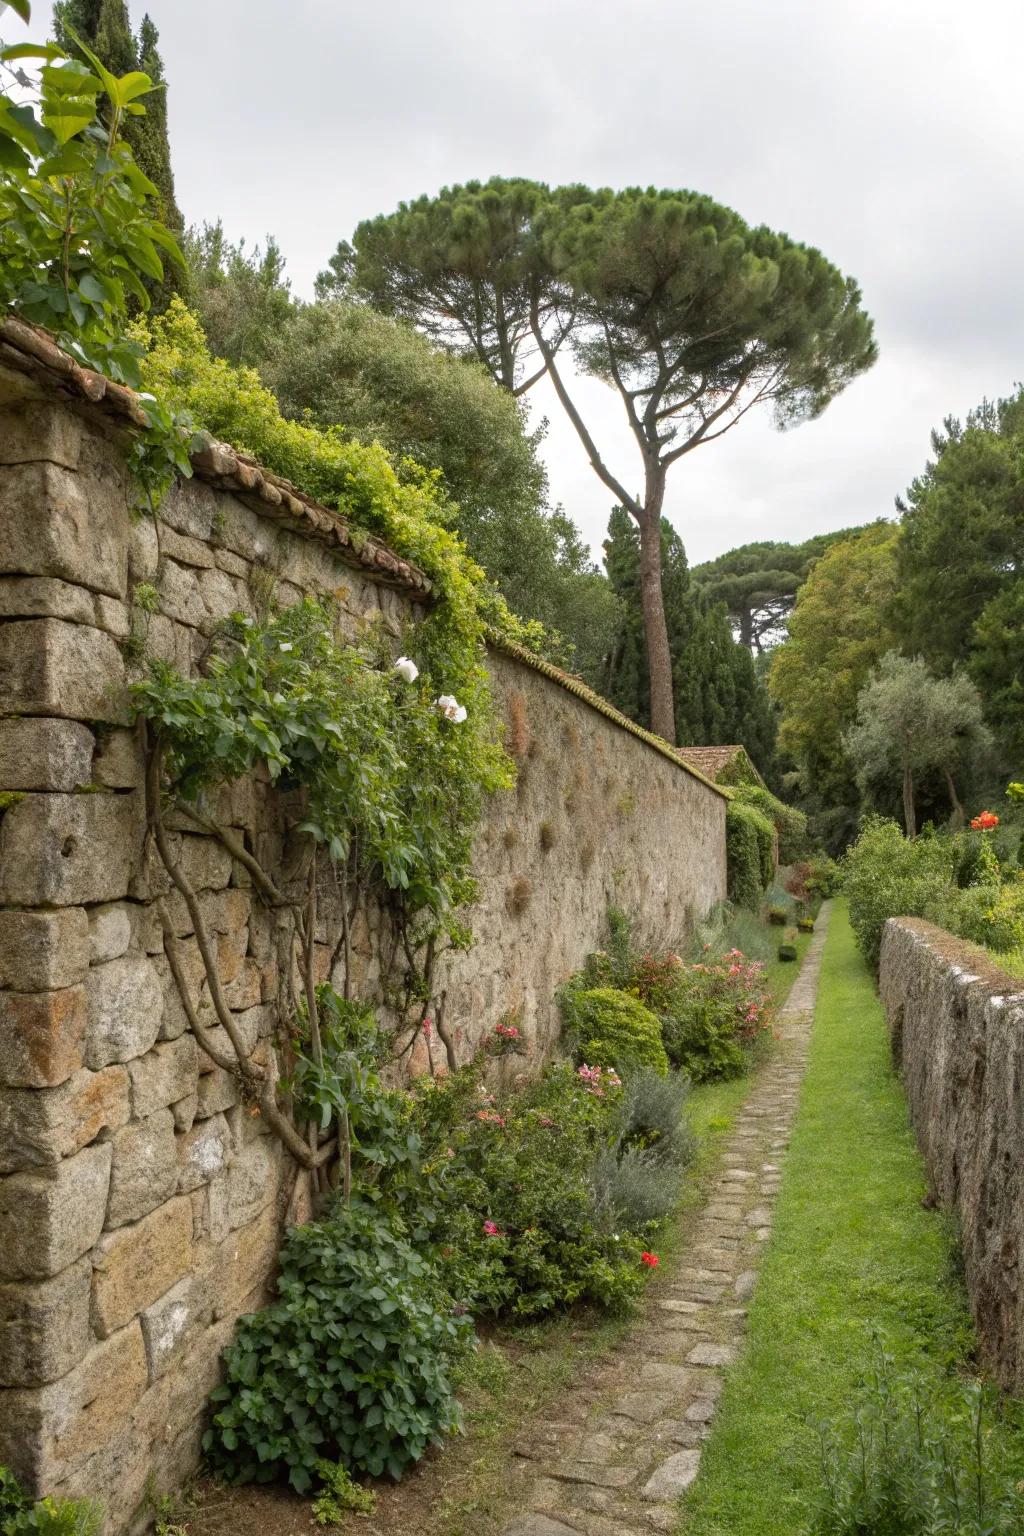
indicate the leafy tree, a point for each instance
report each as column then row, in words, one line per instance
column 963, row 530
column 839, row 630
column 996, row 663
column 105, row 26
column 758, row 584
column 461, row 266
column 719, row 697
column 695, row 319
column 673, row 300
column 241, row 295
column 909, row 722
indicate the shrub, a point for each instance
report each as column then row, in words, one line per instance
column 789, row 823
column 886, row 875
column 917, row 1459
column 716, row 1010
column 992, row 915
column 21, row 1515
column 351, row 1363
column 750, row 859
column 613, row 1029
column 787, row 951
column 823, row 878
column 508, row 1198
column 728, row 927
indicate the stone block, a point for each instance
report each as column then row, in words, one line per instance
column 244, row 994
column 44, row 597
column 133, row 1267
column 216, row 1091
column 39, row 1126
column 41, row 1037
column 250, row 1185
column 126, row 1004
column 223, row 595
column 110, row 932
column 117, row 763
column 205, row 862
column 244, row 1262
column 66, row 850
column 113, row 616
column 43, row 951
column 51, row 667
column 203, row 1153
column 40, row 430
column 44, row 1326
column 184, row 1113
column 52, row 523
column 144, row 1172
column 143, row 551
column 165, row 1075
column 51, row 1218
column 173, row 1324
column 44, row 754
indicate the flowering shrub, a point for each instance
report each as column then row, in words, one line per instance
column 710, row 1011
column 986, row 822
column 509, row 1197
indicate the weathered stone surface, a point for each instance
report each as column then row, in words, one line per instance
column 145, row 1168
column 539, row 1525
column 44, row 1326
column 44, row 754
column 205, row 863
column 745, row 1283
column 238, row 1197
column 117, row 763
column 39, row 1126
column 45, row 1430
column 216, row 1091
column 761, row 1216
column 44, row 597
column 110, row 931
column 51, row 1218
column 69, row 532
column 135, row 1266
column 711, row 1354
column 50, row 667
column 245, row 1261
column 203, row 1153
column 165, row 1075
column 65, row 850
column 42, row 951
column 41, row 1037
column 35, row 431
column 172, row 1324
column 673, row 1477
column 126, row 1003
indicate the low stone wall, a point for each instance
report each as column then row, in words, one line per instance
column 141, row 1204
column 957, row 1028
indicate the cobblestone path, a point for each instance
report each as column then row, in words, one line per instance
column 630, row 1441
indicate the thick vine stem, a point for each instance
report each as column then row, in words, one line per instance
column 263, row 1080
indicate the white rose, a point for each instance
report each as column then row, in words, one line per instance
column 406, row 669
column 450, row 707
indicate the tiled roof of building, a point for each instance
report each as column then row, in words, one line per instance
column 712, row 761
column 29, row 350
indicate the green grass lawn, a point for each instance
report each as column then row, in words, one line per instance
column 853, row 1252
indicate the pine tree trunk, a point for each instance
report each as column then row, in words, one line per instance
column 659, row 657
column 909, row 817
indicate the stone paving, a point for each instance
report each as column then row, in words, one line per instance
column 630, row 1440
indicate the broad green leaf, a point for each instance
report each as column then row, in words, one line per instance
column 21, row 8
column 108, row 80
column 69, row 78
column 12, row 156
column 134, row 84
column 31, row 51
column 68, row 118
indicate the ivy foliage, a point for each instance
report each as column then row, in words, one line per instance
column 749, row 852
column 383, row 770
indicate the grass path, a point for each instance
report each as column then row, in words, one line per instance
column 853, row 1252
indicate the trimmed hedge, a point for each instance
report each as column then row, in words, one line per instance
column 789, row 823
column 750, row 854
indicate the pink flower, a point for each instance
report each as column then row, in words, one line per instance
column 425, row 1026
column 492, row 1230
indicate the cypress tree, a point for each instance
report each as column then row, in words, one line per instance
column 719, row 697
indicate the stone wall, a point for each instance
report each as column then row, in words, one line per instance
column 141, row 1204
column 957, row 1028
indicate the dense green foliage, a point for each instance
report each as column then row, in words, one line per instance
column 855, row 1253
column 912, row 1459
column 749, row 853
column 955, row 882
column 838, row 632
column 711, row 1010
column 23, row 1516
column 909, row 721
column 790, row 823
column 758, row 584
column 351, row 1362
column 79, row 225
column 105, row 26
column 241, row 296
column 718, row 696
column 609, row 1028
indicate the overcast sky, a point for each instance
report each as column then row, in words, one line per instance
column 888, row 134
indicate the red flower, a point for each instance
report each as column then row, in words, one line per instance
column 986, row 822
column 650, row 1259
